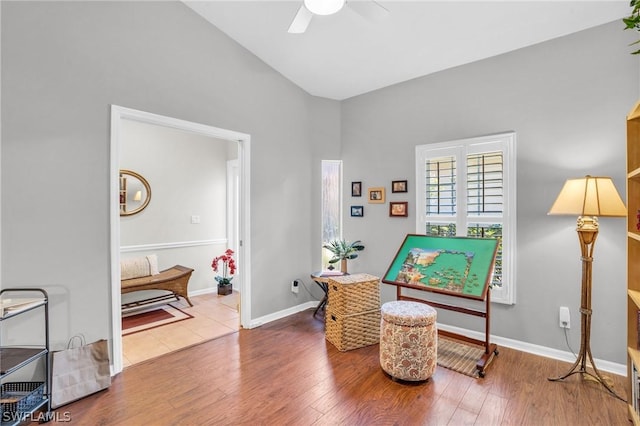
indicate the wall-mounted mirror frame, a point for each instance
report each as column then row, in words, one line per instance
column 135, row 192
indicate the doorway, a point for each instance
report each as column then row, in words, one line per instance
column 242, row 243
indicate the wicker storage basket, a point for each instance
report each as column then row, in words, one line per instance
column 351, row 294
column 352, row 331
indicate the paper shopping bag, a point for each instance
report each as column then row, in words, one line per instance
column 79, row 371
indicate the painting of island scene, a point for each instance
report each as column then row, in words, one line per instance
column 459, row 266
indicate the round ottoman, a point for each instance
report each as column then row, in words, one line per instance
column 408, row 340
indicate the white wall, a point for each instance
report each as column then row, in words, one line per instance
column 187, row 175
column 567, row 100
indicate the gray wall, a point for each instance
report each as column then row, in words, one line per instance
column 567, row 100
column 63, row 65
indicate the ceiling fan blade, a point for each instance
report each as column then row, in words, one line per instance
column 300, row 21
column 369, row 9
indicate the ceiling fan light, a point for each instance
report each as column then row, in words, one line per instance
column 324, row 7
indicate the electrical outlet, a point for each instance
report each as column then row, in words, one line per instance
column 564, row 318
column 294, row 286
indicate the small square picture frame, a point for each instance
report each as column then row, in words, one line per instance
column 399, row 186
column 376, row 195
column 357, row 211
column 356, row 189
column 399, row 208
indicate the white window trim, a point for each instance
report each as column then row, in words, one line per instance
column 460, row 149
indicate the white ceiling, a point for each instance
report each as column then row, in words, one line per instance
column 344, row 55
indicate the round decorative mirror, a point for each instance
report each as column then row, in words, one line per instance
column 135, row 193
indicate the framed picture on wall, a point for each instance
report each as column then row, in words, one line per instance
column 376, row 195
column 356, row 189
column 398, row 209
column 399, row 186
column 357, row 211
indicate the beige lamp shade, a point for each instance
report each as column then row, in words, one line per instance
column 589, row 196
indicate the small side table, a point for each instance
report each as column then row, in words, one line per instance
column 322, row 279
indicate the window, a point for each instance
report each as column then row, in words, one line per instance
column 467, row 188
column 331, row 205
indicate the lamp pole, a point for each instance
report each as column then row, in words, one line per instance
column 587, row 233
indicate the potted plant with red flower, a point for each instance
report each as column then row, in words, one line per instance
column 228, row 269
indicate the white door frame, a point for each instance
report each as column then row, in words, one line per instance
column 119, row 113
column 233, row 183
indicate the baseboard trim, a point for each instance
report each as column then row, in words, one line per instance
column 603, row 365
column 257, row 322
column 204, row 291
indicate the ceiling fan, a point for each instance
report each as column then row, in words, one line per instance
column 370, row 9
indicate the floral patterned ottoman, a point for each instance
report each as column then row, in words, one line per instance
column 408, row 340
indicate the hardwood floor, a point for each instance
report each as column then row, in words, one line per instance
column 286, row 373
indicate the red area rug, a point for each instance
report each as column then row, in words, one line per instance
column 152, row 317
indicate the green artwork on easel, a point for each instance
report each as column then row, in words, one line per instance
column 458, row 266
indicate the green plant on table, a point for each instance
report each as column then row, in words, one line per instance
column 343, row 250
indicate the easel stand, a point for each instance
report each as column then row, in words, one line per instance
column 414, row 267
column 490, row 349
column 587, row 233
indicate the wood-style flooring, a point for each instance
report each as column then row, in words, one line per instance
column 286, row 373
column 213, row 316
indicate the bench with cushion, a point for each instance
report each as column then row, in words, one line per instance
column 142, row 274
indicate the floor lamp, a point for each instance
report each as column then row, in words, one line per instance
column 588, row 197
